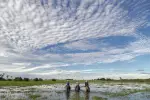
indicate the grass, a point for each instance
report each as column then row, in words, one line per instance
column 3, row 96
column 31, row 83
column 46, row 82
column 79, row 98
column 35, row 96
column 126, row 92
column 98, row 98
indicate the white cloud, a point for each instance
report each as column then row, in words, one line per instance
column 27, row 26
column 142, row 46
column 77, row 75
column 21, row 64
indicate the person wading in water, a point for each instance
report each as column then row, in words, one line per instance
column 87, row 88
column 77, row 88
column 68, row 88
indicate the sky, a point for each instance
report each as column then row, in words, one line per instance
column 79, row 39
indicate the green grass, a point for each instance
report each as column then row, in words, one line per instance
column 98, row 98
column 46, row 82
column 31, row 83
column 34, row 97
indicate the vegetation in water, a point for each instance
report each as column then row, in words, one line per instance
column 98, row 98
column 126, row 92
column 34, row 96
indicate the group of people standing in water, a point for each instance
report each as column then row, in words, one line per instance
column 77, row 87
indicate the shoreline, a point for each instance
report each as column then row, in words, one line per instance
column 50, row 82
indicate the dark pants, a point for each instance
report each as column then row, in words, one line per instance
column 77, row 88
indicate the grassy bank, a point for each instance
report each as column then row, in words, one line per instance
column 31, row 83
column 46, row 82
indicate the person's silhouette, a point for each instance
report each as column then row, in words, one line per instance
column 77, row 87
column 68, row 88
column 87, row 88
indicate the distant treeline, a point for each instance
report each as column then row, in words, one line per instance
column 124, row 80
column 4, row 77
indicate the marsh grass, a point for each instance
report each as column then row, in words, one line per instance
column 58, row 92
column 126, row 92
column 98, row 98
column 46, row 82
column 31, row 83
column 29, row 92
column 3, row 96
column 34, row 96
column 77, row 98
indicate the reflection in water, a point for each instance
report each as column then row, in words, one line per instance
column 87, row 96
column 67, row 95
column 80, row 96
column 76, row 96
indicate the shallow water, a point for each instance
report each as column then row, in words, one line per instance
column 57, row 92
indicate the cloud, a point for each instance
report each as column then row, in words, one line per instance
column 94, row 75
column 37, row 35
column 141, row 46
column 21, row 64
column 28, row 26
column 22, row 67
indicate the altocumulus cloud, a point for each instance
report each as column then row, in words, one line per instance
column 39, row 35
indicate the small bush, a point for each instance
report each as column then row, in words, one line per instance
column 69, row 79
column 26, row 79
column 18, row 79
column 103, row 79
column 40, row 79
column 108, row 79
column 36, row 79
column 2, row 79
column 9, row 79
column 53, row 79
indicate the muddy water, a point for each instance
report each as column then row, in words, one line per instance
column 57, row 92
